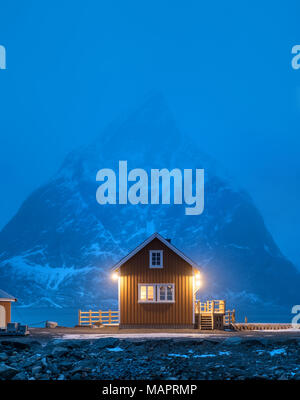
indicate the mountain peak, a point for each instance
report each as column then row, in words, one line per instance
column 153, row 115
column 62, row 242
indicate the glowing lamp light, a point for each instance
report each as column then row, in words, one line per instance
column 115, row 276
column 198, row 281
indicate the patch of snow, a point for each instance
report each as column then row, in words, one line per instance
column 116, row 349
column 65, row 223
column 38, row 303
column 277, row 330
column 33, row 252
column 224, row 353
column 95, row 250
column 140, row 232
column 50, row 301
column 46, row 275
column 177, row 355
column 204, row 355
column 277, row 352
column 138, row 335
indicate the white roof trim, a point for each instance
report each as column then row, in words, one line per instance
column 6, row 297
column 143, row 244
column 8, row 300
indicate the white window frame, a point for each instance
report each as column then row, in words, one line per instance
column 156, row 292
column 161, row 258
column 165, row 285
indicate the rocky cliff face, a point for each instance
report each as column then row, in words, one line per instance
column 57, row 249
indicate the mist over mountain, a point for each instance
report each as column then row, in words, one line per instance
column 56, row 251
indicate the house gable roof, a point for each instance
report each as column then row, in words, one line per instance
column 143, row 244
column 6, row 297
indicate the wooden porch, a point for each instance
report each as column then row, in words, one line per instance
column 212, row 314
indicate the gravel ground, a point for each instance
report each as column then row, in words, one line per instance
column 48, row 354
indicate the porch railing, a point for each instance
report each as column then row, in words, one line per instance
column 216, row 307
column 210, row 306
column 88, row 318
column 229, row 317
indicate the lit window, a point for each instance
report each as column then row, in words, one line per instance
column 150, row 293
column 156, row 259
column 147, row 293
column 157, row 293
column 143, row 293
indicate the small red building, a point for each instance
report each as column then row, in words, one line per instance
column 157, row 285
column 5, row 308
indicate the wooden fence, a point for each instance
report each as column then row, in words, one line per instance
column 210, row 306
column 229, row 317
column 111, row 318
column 102, row 317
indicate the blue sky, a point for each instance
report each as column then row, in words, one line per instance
column 224, row 67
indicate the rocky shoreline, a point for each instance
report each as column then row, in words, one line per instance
column 112, row 358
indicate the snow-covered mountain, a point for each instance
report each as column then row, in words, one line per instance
column 57, row 249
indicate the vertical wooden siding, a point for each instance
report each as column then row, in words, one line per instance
column 175, row 270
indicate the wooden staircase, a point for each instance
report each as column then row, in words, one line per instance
column 206, row 322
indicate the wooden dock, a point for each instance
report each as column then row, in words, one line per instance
column 259, row 326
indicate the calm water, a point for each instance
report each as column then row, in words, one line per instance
column 36, row 317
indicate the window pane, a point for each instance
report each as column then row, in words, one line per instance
column 143, row 293
column 150, row 293
column 162, row 293
column 156, row 258
column 169, row 293
column 153, row 259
